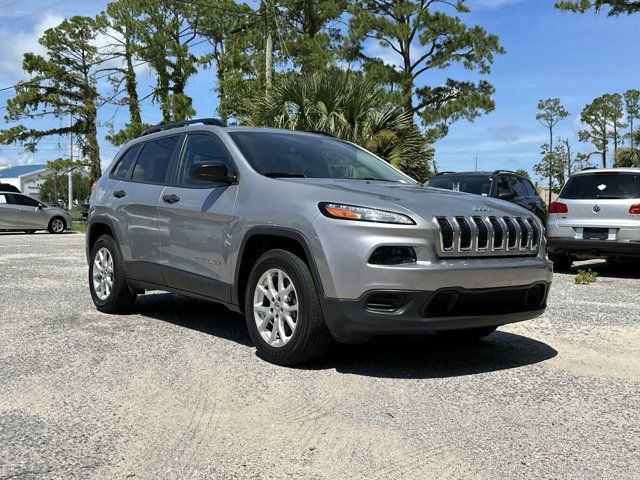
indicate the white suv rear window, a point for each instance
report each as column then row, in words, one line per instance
column 602, row 186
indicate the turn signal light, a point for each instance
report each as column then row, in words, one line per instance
column 558, row 207
column 635, row 209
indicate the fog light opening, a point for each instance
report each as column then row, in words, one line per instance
column 393, row 255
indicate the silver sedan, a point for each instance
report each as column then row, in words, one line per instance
column 21, row 212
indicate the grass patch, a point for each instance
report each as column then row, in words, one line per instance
column 79, row 226
column 584, row 277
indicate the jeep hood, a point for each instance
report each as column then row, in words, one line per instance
column 426, row 202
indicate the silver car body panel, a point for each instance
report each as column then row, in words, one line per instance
column 25, row 217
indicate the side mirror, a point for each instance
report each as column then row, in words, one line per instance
column 506, row 195
column 40, row 207
column 211, row 172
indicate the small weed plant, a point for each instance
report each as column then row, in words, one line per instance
column 585, row 277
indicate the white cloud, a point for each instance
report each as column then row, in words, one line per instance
column 18, row 159
column 492, row 4
column 20, row 42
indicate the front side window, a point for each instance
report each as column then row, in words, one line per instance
column 120, row 170
column 280, row 154
column 199, row 149
column 602, row 186
column 477, row 184
column 153, row 161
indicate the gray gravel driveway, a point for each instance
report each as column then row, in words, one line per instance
column 175, row 391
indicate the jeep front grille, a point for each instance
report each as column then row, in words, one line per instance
column 489, row 236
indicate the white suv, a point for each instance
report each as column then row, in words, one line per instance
column 596, row 215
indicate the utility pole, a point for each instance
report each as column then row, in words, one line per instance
column 476, row 162
column 69, row 175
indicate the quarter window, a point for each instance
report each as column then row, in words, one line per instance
column 120, row 170
column 200, row 148
column 153, row 161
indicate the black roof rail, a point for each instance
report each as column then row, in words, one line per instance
column 443, row 173
column 321, row 132
column 183, row 123
column 504, row 171
column 589, row 168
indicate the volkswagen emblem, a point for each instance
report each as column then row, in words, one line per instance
column 597, row 208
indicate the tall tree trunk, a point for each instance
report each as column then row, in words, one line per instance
column 632, row 141
column 269, row 61
column 131, row 85
column 549, row 169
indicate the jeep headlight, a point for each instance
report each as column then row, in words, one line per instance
column 362, row 214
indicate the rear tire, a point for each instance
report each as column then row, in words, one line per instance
column 56, row 225
column 468, row 334
column 107, row 282
column 561, row 263
column 271, row 305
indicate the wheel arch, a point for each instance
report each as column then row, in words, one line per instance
column 259, row 240
column 96, row 229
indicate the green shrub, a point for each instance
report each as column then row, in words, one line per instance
column 585, row 277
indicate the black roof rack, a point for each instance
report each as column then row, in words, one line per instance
column 321, row 132
column 183, row 123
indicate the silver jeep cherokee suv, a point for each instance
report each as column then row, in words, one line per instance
column 313, row 238
column 596, row 215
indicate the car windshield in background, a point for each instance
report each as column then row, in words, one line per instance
column 602, row 186
column 275, row 154
column 478, row 184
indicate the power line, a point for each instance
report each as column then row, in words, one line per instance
column 33, row 12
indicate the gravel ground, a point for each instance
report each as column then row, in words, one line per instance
column 175, row 390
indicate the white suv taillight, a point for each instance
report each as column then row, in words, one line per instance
column 634, row 209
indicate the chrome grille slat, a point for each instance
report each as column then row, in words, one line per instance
column 486, row 236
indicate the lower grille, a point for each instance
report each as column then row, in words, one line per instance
column 478, row 236
column 458, row 303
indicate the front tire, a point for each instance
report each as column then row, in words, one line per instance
column 57, row 225
column 107, row 282
column 282, row 310
column 561, row 263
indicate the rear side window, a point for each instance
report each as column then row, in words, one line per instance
column 24, row 200
column 519, row 187
column 153, row 161
column 120, row 170
column 603, row 186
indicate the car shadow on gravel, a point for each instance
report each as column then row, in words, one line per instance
column 415, row 356
column 206, row 317
column 432, row 356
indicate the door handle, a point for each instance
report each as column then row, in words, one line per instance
column 119, row 193
column 173, row 198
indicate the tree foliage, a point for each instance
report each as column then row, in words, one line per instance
column 603, row 118
column 352, row 108
column 424, row 36
column 63, row 83
column 612, row 7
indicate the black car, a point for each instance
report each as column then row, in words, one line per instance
column 5, row 187
column 502, row 184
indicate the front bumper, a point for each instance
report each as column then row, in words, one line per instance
column 593, row 248
column 430, row 311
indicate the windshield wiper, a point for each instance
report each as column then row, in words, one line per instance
column 376, row 179
column 284, row 175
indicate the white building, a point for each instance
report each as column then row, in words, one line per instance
column 27, row 178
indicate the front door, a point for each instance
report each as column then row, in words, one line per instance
column 194, row 219
column 32, row 216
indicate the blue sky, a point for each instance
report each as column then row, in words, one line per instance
column 549, row 54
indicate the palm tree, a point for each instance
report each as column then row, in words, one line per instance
column 352, row 108
column 629, row 156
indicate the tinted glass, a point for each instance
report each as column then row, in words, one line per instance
column 121, row 169
column 478, row 184
column 153, row 161
column 200, row 148
column 312, row 156
column 24, row 200
column 604, row 185
column 519, row 187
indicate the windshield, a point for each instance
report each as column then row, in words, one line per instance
column 276, row 154
column 478, row 184
column 602, row 185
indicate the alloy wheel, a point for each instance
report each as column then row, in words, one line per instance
column 57, row 225
column 103, row 273
column 275, row 307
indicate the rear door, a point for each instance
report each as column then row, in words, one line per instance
column 9, row 212
column 195, row 217
column 135, row 201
